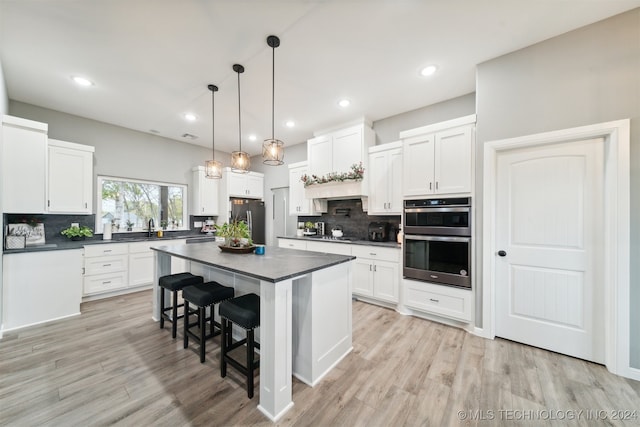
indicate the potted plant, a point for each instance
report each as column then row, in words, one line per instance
column 310, row 227
column 77, row 233
column 129, row 225
column 235, row 233
column 163, row 224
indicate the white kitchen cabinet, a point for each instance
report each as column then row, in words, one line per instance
column 24, row 165
column 250, row 184
column 298, row 203
column 123, row 267
column 385, row 179
column 447, row 301
column 40, row 286
column 292, row 244
column 204, row 193
column 438, row 159
column 329, row 248
column 337, row 151
column 70, row 183
column 376, row 272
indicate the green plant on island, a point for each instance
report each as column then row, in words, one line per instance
column 235, row 233
column 77, row 232
column 356, row 173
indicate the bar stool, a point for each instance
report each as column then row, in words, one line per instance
column 244, row 311
column 202, row 296
column 174, row 283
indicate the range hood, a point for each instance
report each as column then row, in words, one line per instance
column 343, row 190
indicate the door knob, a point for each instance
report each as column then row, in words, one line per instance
column 502, row 253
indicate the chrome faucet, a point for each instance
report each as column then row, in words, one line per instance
column 151, row 227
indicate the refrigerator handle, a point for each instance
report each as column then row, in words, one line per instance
column 250, row 224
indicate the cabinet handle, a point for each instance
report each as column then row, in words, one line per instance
column 436, row 185
column 433, row 276
column 429, row 185
column 48, row 203
column 371, row 253
column 107, row 250
column 107, row 282
column 85, row 205
column 370, row 269
column 434, row 300
column 375, row 268
column 106, row 265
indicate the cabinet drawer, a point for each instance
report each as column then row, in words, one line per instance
column 292, row 244
column 443, row 300
column 106, row 249
column 330, row 248
column 105, row 282
column 376, row 253
column 105, row 264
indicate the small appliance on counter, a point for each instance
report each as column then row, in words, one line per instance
column 378, row 231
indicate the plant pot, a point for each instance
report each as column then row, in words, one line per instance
column 77, row 238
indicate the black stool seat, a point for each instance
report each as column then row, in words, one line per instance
column 244, row 311
column 174, row 283
column 203, row 295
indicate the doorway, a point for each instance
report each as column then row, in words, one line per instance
column 614, row 137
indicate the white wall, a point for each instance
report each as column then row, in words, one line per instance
column 4, row 109
column 590, row 75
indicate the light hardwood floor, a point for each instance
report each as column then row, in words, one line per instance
column 113, row 365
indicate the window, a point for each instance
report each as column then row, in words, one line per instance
column 128, row 204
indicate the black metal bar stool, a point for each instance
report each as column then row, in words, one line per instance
column 174, row 283
column 244, row 311
column 202, row 296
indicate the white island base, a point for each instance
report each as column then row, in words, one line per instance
column 305, row 320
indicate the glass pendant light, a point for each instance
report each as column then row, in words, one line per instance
column 272, row 148
column 240, row 161
column 213, row 168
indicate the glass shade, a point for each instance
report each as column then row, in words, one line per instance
column 272, row 152
column 240, row 162
column 213, row 169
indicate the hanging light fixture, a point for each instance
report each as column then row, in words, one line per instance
column 240, row 160
column 272, row 148
column 212, row 168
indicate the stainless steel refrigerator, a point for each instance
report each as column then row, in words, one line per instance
column 252, row 212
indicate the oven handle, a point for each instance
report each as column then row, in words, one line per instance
column 437, row 238
column 428, row 210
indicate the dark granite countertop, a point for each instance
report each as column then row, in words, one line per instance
column 277, row 264
column 343, row 241
column 79, row 244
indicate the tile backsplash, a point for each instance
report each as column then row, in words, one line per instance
column 354, row 222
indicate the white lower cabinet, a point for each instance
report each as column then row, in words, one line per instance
column 119, row 267
column 376, row 272
column 292, row 244
column 442, row 300
column 330, row 248
column 40, row 286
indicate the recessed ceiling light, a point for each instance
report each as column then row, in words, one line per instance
column 252, row 137
column 81, row 81
column 428, row 70
column 290, row 123
column 344, row 103
column 190, row 117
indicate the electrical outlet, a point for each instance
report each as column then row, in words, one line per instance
column 197, row 224
column 75, row 224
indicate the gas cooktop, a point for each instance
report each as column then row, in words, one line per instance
column 343, row 238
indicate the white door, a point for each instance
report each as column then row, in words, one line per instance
column 549, row 222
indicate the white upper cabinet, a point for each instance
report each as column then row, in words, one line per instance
column 438, row 159
column 298, row 203
column 385, row 179
column 70, row 184
column 204, row 193
column 249, row 185
column 337, row 151
column 24, row 165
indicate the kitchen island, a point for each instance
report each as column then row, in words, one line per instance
column 305, row 309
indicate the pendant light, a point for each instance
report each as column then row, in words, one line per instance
column 273, row 149
column 240, row 161
column 212, row 168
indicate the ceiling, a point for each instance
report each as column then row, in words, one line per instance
column 151, row 60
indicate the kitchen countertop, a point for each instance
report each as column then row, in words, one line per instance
column 276, row 265
column 389, row 244
column 79, row 244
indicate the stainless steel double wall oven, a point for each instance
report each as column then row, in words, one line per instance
column 437, row 241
